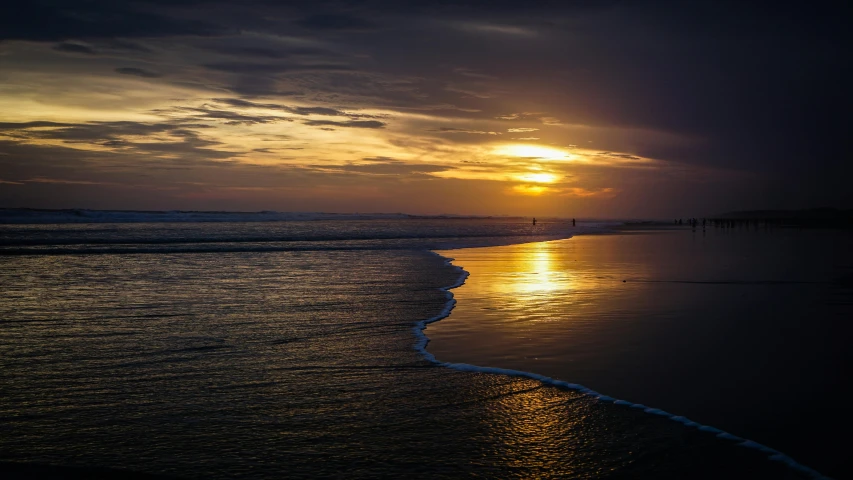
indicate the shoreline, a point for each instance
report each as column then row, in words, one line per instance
column 423, row 341
column 306, row 360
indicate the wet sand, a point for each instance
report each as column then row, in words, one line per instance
column 744, row 331
column 297, row 364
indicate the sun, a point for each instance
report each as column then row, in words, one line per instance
column 538, row 177
column 532, row 190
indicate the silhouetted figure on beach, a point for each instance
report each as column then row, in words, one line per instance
column 573, row 222
column 534, row 220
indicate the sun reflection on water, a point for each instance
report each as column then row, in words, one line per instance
column 529, row 273
column 537, row 273
column 573, row 285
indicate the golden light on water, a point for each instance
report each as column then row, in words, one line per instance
column 523, row 273
column 538, row 274
column 574, row 282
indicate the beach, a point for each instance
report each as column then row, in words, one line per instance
column 226, row 360
column 742, row 330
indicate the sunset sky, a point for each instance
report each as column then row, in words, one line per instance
column 587, row 109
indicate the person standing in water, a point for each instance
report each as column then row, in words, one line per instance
column 534, row 220
column 573, row 222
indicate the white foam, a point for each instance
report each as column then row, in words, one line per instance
column 657, row 411
column 684, row 420
column 423, row 340
column 706, row 428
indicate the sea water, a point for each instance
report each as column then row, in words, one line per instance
column 292, row 349
column 745, row 330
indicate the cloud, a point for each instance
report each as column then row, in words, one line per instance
column 615, row 155
column 137, row 72
column 271, row 68
column 521, row 130
column 539, row 63
column 317, row 111
column 11, row 126
column 176, row 138
column 516, row 116
column 350, row 123
column 75, row 48
column 461, row 130
column 467, row 92
column 337, row 22
column 467, row 72
column 80, row 132
column 62, row 181
column 303, row 111
column 239, row 102
column 52, row 21
column 207, row 113
column 271, row 52
column 607, row 192
column 126, row 45
column 383, row 166
column 511, row 30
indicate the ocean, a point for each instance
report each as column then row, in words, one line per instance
column 295, row 348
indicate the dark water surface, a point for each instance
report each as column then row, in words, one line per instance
column 748, row 331
column 272, row 364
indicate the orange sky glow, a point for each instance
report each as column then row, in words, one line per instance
column 237, row 109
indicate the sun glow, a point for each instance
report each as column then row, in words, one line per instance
column 530, row 189
column 533, row 151
column 538, row 177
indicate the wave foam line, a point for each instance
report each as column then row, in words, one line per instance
column 423, row 340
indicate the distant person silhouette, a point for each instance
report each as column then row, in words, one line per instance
column 573, row 222
column 534, row 220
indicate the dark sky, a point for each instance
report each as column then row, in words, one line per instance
column 616, row 109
